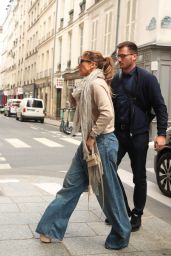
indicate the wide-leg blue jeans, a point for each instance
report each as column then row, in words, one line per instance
column 54, row 221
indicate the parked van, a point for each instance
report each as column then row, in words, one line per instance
column 31, row 109
column 11, row 107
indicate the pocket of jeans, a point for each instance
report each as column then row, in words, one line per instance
column 111, row 146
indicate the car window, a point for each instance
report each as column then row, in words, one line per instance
column 35, row 103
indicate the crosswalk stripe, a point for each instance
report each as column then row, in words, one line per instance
column 48, row 143
column 17, row 143
column 51, row 188
column 152, row 189
column 5, row 166
column 9, row 181
column 71, row 140
column 34, row 128
column 2, row 159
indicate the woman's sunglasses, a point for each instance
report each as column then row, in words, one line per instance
column 83, row 60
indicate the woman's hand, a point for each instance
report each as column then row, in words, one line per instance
column 90, row 143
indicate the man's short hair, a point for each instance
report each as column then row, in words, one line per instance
column 131, row 46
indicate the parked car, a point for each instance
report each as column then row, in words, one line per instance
column 31, row 109
column 1, row 109
column 162, row 166
column 11, row 107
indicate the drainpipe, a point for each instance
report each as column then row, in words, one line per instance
column 53, row 62
column 117, row 23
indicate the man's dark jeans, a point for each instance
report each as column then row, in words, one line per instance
column 136, row 147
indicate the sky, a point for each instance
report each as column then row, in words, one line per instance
column 3, row 5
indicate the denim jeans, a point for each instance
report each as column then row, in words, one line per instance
column 55, row 219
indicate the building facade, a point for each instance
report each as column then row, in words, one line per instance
column 42, row 41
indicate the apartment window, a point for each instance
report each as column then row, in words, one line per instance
column 94, row 34
column 36, row 40
column 33, row 41
column 60, row 50
column 42, row 64
column 70, row 44
column 81, row 37
column 47, row 58
column 107, row 33
column 49, row 23
column 44, row 28
column 31, row 44
column 71, row 4
column 62, row 8
column 130, row 20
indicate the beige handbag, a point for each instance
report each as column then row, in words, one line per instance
column 93, row 159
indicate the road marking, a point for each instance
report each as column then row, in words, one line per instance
column 5, row 166
column 152, row 189
column 70, row 140
column 17, row 143
column 151, row 144
column 9, row 181
column 51, row 188
column 2, row 159
column 48, row 143
column 34, row 127
column 150, row 170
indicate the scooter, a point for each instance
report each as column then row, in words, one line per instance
column 67, row 127
column 162, row 166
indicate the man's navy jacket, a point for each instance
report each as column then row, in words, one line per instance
column 145, row 95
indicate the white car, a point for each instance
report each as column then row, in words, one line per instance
column 11, row 107
column 31, row 109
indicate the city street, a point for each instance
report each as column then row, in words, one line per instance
column 34, row 158
column 29, row 148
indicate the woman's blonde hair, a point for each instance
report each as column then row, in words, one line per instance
column 104, row 63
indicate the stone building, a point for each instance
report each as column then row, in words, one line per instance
column 42, row 41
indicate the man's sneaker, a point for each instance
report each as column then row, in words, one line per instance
column 135, row 222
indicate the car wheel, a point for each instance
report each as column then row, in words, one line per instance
column 8, row 114
column 16, row 117
column 42, row 121
column 163, row 173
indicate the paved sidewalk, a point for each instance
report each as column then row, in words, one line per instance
column 52, row 122
column 24, row 198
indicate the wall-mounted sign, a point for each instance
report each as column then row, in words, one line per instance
column 154, row 66
column 166, row 22
column 59, row 83
column 19, row 91
column 152, row 24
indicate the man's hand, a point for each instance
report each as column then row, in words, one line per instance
column 90, row 143
column 159, row 142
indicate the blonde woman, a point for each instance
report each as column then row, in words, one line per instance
column 94, row 164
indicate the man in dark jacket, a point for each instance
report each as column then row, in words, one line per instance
column 136, row 93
